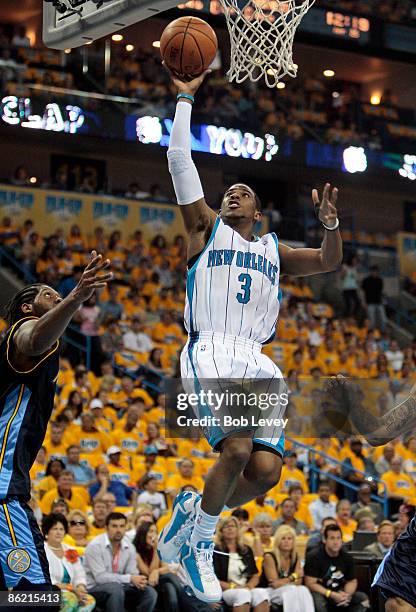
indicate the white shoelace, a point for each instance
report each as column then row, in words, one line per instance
column 204, row 561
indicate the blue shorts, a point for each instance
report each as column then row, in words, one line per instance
column 396, row 575
column 23, row 560
column 211, row 360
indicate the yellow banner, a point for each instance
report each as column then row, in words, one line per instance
column 51, row 210
column 406, row 247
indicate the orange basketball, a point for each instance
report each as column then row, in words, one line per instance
column 187, row 46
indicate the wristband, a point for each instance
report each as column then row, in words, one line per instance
column 331, row 229
column 294, row 576
column 232, row 585
column 328, row 593
column 185, row 95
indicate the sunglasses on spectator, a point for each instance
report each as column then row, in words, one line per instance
column 73, row 523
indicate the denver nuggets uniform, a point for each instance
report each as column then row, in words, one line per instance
column 26, row 403
column 232, row 305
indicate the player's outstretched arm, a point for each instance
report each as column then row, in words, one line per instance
column 37, row 336
column 304, row 262
column 199, row 218
column 377, row 430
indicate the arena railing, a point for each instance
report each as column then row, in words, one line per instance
column 316, row 472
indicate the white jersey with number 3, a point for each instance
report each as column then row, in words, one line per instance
column 233, row 287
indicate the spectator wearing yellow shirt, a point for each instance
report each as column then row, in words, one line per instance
column 157, row 414
column 399, row 485
column 38, row 469
column 329, row 355
column 101, row 422
column 186, row 476
column 162, row 301
column 64, row 490
column 99, row 515
column 295, row 493
column 151, row 286
column 49, row 482
column 134, row 305
column 357, row 460
column 153, row 465
column 291, row 474
column 117, row 470
column 9, row 234
column 344, row 520
column 78, row 534
column 128, row 393
column 313, row 360
column 129, row 436
column 57, row 441
column 167, row 331
column 89, row 439
column 262, row 504
column 81, row 383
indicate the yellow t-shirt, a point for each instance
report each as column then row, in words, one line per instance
column 130, row 442
column 253, row 509
column 93, row 441
column 289, row 477
column 399, row 484
column 348, row 530
column 77, row 501
column 177, row 482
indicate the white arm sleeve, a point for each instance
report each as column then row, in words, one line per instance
column 185, row 176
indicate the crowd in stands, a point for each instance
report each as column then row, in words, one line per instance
column 105, row 479
column 309, row 107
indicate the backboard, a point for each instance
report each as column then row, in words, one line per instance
column 72, row 23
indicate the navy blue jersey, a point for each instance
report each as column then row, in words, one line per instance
column 26, row 403
column 396, row 575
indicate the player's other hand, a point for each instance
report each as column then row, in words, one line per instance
column 326, row 208
column 188, row 86
column 95, row 276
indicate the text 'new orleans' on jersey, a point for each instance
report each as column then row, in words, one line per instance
column 26, row 403
column 233, row 287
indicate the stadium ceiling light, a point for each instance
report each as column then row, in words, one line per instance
column 329, row 73
column 89, row 42
column 156, row 44
column 129, row 47
column 33, row 180
column 375, row 99
column 67, row 51
column 117, row 37
column 335, row 94
column 281, row 85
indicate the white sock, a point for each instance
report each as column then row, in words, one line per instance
column 204, row 527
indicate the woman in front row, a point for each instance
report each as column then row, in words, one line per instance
column 65, row 566
column 282, row 574
column 236, row 570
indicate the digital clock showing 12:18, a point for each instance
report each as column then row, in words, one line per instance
column 348, row 26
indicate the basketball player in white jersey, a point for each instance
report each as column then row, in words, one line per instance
column 231, row 310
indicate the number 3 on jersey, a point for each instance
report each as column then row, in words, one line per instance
column 245, row 280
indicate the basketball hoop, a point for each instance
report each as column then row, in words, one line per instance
column 261, row 36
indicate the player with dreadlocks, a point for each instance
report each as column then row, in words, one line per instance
column 29, row 363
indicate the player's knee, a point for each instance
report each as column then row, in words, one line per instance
column 265, row 472
column 395, row 604
column 237, row 452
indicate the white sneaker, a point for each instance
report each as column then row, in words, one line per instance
column 179, row 529
column 197, row 564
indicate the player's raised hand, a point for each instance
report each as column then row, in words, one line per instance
column 188, row 86
column 326, row 208
column 95, row 276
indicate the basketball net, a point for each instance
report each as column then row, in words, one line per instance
column 261, row 36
